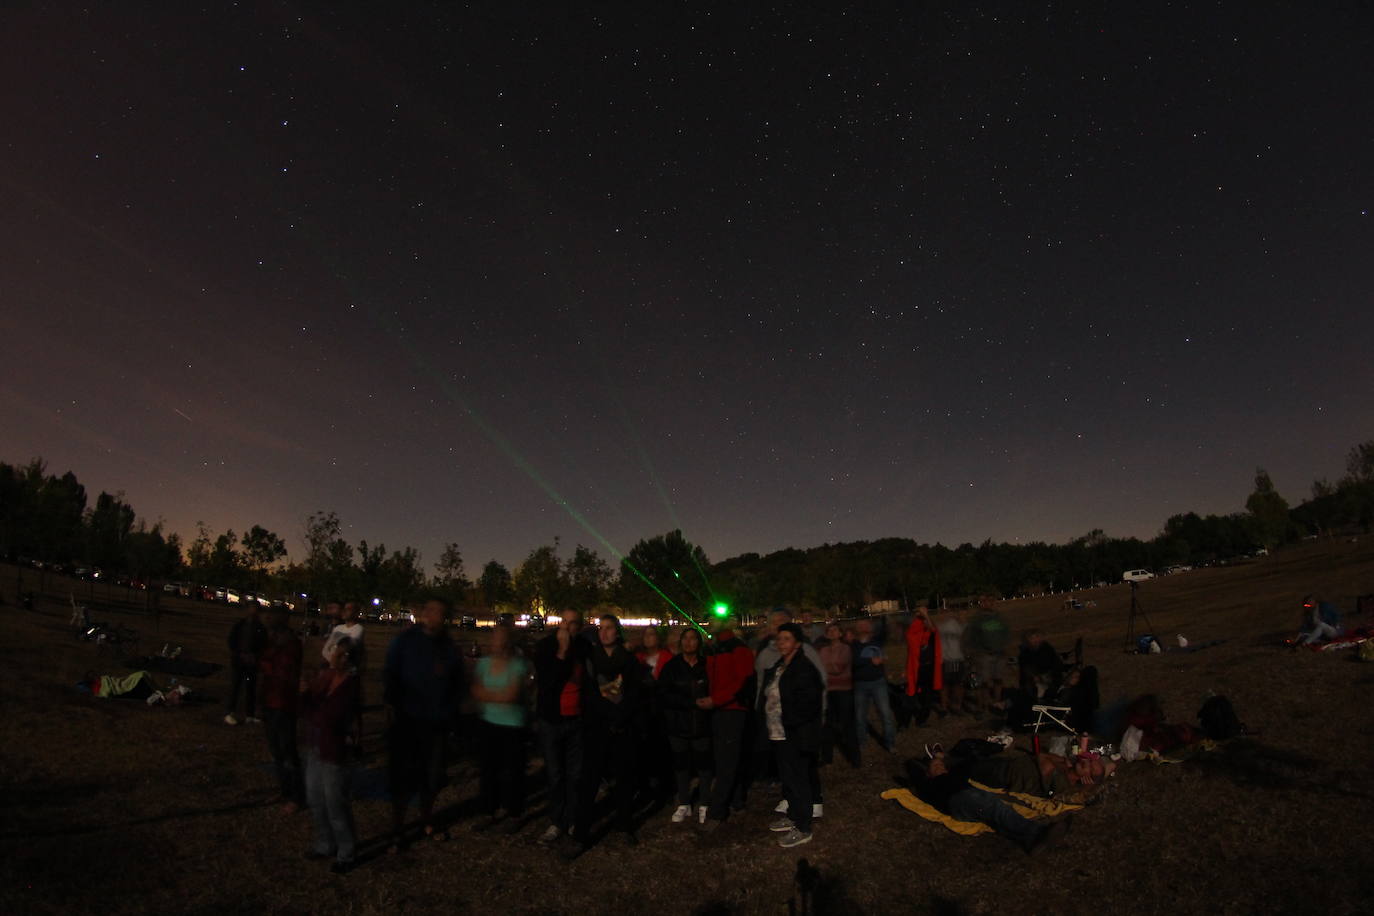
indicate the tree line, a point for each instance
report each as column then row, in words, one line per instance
column 46, row 517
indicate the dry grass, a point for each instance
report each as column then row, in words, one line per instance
column 114, row 807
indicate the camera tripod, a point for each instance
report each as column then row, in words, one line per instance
column 1137, row 612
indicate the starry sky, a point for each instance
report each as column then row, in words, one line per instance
column 777, row 277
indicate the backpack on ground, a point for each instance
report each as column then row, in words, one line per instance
column 1219, row 720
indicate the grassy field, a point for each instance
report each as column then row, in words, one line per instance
column 114, row 807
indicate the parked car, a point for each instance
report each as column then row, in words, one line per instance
column 1136, row 575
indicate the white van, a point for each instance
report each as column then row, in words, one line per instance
column 1136, row 575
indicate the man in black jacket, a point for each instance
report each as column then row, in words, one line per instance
column 613, row 691
column 558, row 678
column 247, row 639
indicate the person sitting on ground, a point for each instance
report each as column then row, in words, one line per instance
column 1079, row 692
column 790, row 707
column 1321, row 621
column 687, row 725
column 330, row 703
column 1148, row 732
column 946, row 788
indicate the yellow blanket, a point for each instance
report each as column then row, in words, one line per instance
column 1025, row 805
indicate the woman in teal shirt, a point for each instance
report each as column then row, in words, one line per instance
column 498, row 683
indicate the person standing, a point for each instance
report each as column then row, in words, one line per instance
column 247, row 639
column 330, row 703
column 790, row 706
column 870, row 687
column 951, row 629
column 730, row 676
column 280, row 670
column 423, row 680
column 837, row 664
column 687, row 725
column 613, row 680
column 351, row 626
column 764, row 760
column 558, row 710
column 652, row 654
column 498, row 680
column 985, row 641
column 924, row 661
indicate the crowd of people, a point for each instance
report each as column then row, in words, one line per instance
column 695, row 717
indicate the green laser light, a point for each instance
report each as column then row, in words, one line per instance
column 722, row 609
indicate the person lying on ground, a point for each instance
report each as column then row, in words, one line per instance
column 948, row 791
column 1042, row 775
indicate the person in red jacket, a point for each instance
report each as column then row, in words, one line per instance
column 924, row 661
column 730, row 674
column 279, row 669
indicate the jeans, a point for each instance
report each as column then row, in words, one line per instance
column 247, row 680
column 560, row 744
column 691, row 754
column 326, row 788
column 281, row 742
column 797, row 769
column 873, row 692
column 981, row 807
column 503, row 769
column 1320, row 630
column 727, row 746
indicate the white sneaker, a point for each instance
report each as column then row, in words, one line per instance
column 229, row 719
column 682, row 813
column 793, row 837
column 550, row 836
column 781, row 808
column 817, row 810
column 701, row 814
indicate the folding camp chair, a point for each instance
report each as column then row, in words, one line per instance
column 1051, row 715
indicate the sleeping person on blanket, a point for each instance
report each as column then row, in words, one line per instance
column 946, row 788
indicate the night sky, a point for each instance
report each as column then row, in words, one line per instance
column 776, row 277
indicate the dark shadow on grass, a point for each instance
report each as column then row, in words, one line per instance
column 1252, row 764
column 815, row 894
column 175, row 815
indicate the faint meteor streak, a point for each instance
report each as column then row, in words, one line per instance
column 182, row 415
